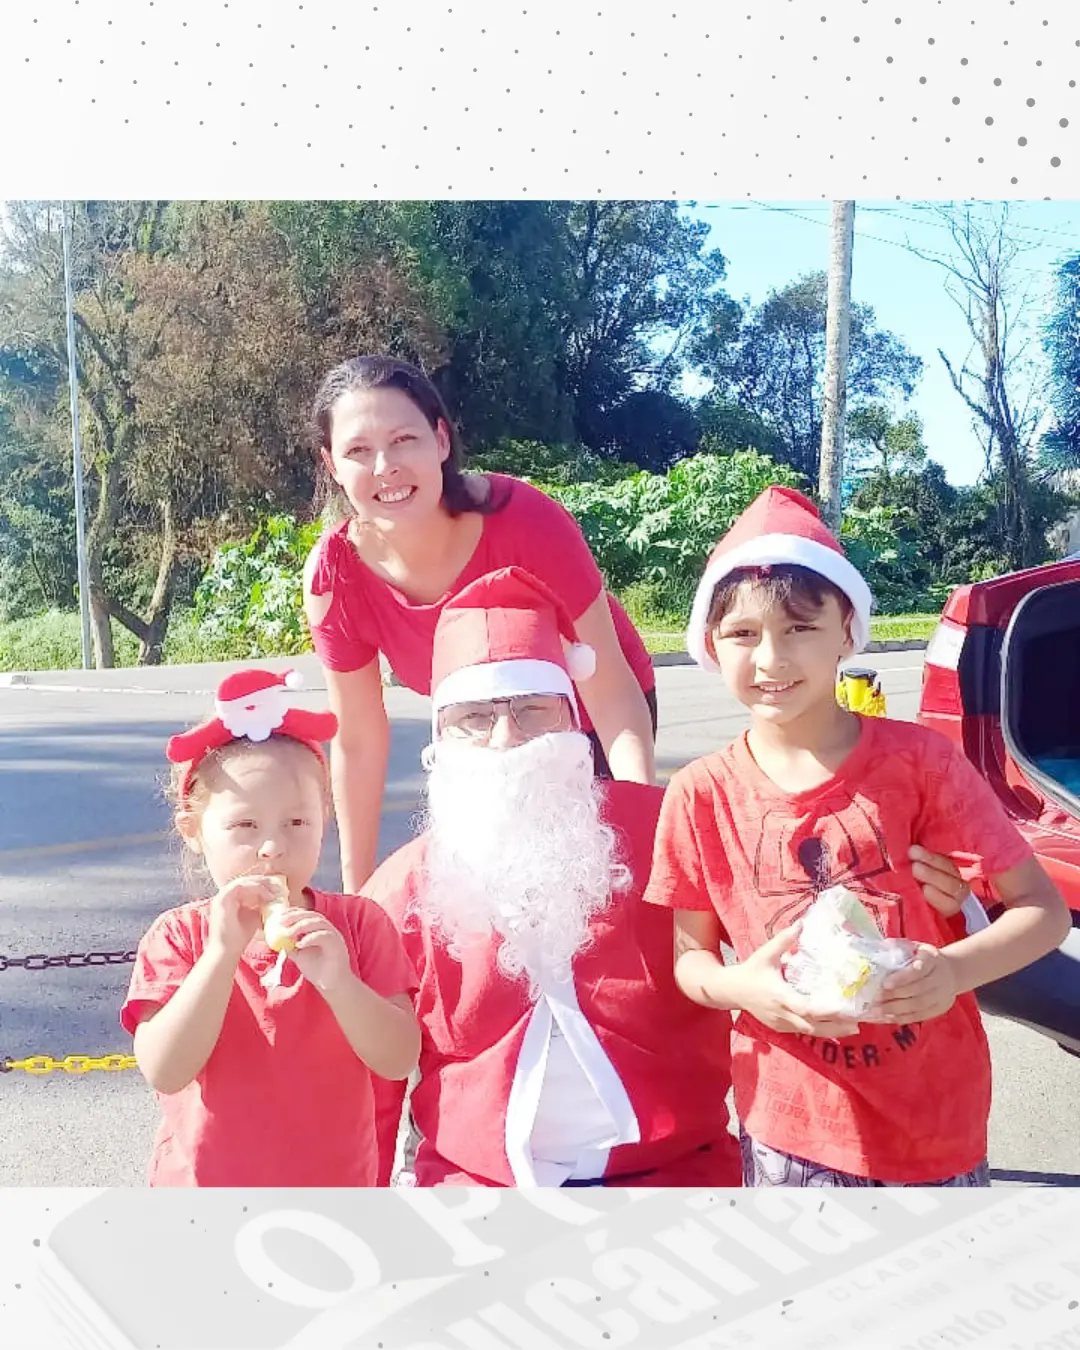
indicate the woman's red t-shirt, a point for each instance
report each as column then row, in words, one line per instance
column 368, row 615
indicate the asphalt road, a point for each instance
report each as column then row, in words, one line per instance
column 86, row 863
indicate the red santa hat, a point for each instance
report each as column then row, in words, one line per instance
column 501, row 636
column 780, row 527
column 250, row 705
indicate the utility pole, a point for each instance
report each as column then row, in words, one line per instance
column 837, row 336
column 76, row 445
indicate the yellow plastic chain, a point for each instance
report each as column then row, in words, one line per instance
column 38, row 1064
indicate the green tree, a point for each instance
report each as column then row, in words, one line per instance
column 37, row 521
column 880, row 445
column 727, row 426
column 772, row 365
column 563, row 321
column 643, row 289
column 923, row 502
column 1002, row 386
column 197, row 364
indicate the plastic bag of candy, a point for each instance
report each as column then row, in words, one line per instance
column 842, row 960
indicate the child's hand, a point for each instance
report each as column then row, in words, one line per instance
column 925, row 989
column 765, row 994
column 940, row 879
column 234, row 914
column 320, row 954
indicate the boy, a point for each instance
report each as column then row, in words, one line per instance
column 814, row 796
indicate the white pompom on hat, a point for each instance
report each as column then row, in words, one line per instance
column 780, row 527
column 503, row 635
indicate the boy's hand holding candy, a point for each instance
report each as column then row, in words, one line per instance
column 927, row 988
column 757, row 986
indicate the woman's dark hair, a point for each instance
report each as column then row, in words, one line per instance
column 385, row 372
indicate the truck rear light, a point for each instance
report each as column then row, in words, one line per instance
column 946, row 645
column 941, row 679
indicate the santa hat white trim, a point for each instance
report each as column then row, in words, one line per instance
column 501, row 679
column 777, row 550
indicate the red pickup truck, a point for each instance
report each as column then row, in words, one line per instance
column 1002, row 680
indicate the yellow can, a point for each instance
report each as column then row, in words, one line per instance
column 859, row 690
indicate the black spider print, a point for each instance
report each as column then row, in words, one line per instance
column 845, row 848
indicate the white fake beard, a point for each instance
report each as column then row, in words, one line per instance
column 516, row 846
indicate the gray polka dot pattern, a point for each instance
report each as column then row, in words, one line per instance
column 475, row 99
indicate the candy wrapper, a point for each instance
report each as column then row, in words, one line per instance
column 842, row 959
column 276, row 939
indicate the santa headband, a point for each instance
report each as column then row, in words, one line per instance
column 502, row 636
column 250, row 705
column 780, row 527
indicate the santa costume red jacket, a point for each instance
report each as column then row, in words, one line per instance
column 659, row 1063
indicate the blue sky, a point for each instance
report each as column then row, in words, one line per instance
column 768, row 244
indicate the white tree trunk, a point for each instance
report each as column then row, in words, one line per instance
column 837, row 335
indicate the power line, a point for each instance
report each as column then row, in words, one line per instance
column 926, row 254
column 924, row 207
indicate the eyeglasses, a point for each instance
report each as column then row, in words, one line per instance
column 532, row 714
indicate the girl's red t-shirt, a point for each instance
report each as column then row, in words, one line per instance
column 897, row 1104
column 283, row 1099
column 368, row 615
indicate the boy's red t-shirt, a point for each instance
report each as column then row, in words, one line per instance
column 283, row 1099
column 531, row 530
column 896, row 1104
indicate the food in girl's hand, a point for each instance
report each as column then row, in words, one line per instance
column 842, row 960
column 272, row 914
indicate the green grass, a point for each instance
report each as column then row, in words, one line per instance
column 52, row 641
column 883, row 628
column 903, row 627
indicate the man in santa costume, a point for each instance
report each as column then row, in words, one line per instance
column 557, row 1049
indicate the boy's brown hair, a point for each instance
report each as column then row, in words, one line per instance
column 800, row 592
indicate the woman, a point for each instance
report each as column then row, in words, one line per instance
column 420, row 530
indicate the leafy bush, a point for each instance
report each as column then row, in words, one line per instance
column 883, row 544
column 189, row 643
column 250, row 601
column 661, row 528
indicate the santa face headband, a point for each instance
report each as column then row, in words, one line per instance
column 251, row 706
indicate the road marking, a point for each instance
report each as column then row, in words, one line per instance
column 81, row 846
column 118, row 841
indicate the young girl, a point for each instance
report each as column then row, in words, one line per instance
column 262, row 1062
column 811, row 797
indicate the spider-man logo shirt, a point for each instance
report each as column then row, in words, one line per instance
column 898, row 1104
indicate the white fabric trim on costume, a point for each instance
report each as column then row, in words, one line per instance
column 573, row 1129
column 777, row 550
column 501, row 679
column 559, row 1000
column 524, row 1096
